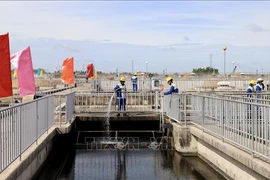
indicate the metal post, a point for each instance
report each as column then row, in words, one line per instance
column 185, row 108
column 253, row 129
column 162, row 112
column 222, row 118
column 66, row 114
column 37, row 122
column 203, row 110
column 47, row 115
column 20, row 133
column 156, row 101
column 60, row 111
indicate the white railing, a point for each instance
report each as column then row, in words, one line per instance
column 145, row 85
column 64, row 108
column 99, row 101
column 21, row 125
column 243, row 123
column 70, row 106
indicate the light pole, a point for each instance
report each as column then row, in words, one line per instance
column 146, row 64
column 233, row 65
column 117, row 74
column 224, row 49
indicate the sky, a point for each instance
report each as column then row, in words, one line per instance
column 155, row 35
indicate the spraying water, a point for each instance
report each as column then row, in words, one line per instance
column 107, row 122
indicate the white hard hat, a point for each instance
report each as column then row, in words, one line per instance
column 260, row 80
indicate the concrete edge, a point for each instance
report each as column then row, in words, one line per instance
column 257, row 165
column 65, row 128
column 209, row 163
column 17, row 167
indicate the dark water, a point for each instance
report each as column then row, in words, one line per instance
column 143, row 164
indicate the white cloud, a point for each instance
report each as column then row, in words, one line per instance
column 68, row 20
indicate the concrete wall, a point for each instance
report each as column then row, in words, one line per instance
column 32, row 159
column 184, row 142
column 232, row 162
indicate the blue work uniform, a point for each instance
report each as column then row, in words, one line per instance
column 121, row 96
column 258, row 89
column 173, row 89
column 134, row 80
column 250, row 90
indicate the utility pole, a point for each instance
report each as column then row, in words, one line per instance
column 224, row 49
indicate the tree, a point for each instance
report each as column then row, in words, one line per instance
column 207, row 70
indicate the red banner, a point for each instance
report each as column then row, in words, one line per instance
column 5, row 68
column 90, row 70
column 68, row 71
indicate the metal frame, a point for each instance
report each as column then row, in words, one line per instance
column 21, row 125
column 243, row 123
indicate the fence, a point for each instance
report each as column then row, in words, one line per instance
column 21, row 126
column 65, row 105
column 261, row 98
column 244, row 123
column 100, row 101
column 145, row 85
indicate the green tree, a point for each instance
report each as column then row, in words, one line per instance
column 207, row 70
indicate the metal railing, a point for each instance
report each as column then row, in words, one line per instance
column 243, row 123
column 99, row 101
column 21, row 125
column 145, row 85
column 261, row 98
column 64, row 108
column 70, row 106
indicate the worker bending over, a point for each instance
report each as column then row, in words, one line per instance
column 173, row 88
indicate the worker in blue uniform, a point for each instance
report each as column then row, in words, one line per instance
column 134, row 80
column 173, row 88
column 120, row 90
column 259, row 85
column 259, row 89
column 251, row 89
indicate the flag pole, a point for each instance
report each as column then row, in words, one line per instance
column 12, row 97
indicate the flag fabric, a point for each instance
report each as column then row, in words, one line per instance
column 38, row 72
column 90, row 70
column 68, row 71
column 22, row 61
column 95, row 75
column 41, row 73
column 15, row 75
column 5, row 67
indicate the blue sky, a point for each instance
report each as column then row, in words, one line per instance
column 176, row 35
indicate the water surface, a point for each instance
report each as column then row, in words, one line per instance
column 143, row 164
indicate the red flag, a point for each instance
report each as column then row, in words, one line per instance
column 90, row 70
column 68, row 71
column 5, row 68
